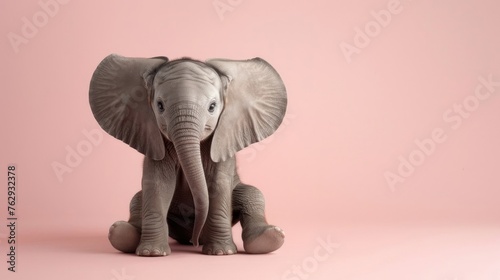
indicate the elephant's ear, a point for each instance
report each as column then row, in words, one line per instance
column 254, row 105
column 119, row 100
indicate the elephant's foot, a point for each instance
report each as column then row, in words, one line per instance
column 124, row 237
column 219, row 248
column 262, row 239
column 154, row 241
column 151, row 249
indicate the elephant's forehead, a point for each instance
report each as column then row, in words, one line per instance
column 188, row 71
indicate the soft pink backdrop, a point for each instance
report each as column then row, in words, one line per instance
column 347, row 122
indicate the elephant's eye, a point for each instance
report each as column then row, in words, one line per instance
column 211, row 108
column 160, row 106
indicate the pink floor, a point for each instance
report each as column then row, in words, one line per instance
column 456, row 252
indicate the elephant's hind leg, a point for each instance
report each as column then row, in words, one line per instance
column 125, row 236
column 258, row 236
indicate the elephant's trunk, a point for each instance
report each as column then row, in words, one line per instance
column 185, row 132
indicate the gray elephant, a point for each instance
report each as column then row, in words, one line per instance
column 189, row 118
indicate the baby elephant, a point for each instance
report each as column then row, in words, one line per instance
column 189, row 118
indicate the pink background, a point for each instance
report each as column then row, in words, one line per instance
column 350, row 119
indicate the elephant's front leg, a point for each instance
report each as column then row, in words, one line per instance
column 217, row 236
column 158, row 186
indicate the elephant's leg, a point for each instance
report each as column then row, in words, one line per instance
column 217, row 236
column 258, row 236
column 158, row 186
column 125, row 236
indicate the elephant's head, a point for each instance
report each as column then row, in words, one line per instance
column 147, row 101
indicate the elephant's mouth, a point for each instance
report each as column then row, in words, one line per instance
column 207, row 131
column 163, row 130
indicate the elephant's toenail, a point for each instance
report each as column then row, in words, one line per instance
column 219, row 252
column 145, row 252
column 230, row 252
